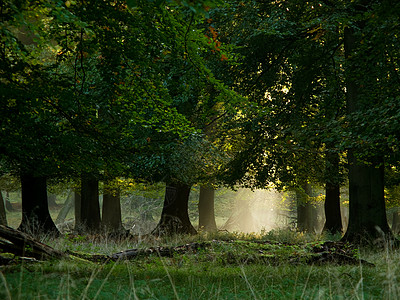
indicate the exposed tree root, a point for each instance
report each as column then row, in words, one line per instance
column 172, row 225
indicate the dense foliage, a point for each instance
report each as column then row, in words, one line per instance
column 293, row 71
column 100, row 87
column 256, row 92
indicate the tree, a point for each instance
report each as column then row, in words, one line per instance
column 174, row 216
column 90, row 207
column 199, row 96
column 308, row 213
column 3, row 215
column 66, row 208
column 288, row 73
column 111, row 210
column 35, row 218
column 392, row 189
column 72, row 70
column 304, row 209
column 28, row 143
column 333, row 220
column 206, row 209
column 298, row 82
column 367, row 215
column 9, row 184
column 77, row 211
column 189, row 163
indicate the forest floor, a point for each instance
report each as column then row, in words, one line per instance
column 275, row 265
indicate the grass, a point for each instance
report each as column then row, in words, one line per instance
column 235, row 267
column 228, row 269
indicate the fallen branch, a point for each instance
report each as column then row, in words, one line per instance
column 161, row 251
column 21, row 244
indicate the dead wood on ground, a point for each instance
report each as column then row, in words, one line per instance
column 22, row 245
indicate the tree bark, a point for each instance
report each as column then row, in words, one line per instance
column 90, row 206
column 175, row 216
column 36, row 217
column 367, row 212
column 111, row 213
column 333, row 218
column 3, row 215
column 206, row 209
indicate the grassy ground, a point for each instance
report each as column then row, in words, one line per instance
column 230, row 267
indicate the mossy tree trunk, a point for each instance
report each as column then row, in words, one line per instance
column 175, row 217
column 206, row 209
column 36, row 217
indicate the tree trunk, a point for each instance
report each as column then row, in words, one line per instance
column 206, row 209
column 9, row 206
column 367, row 212
column 111, row 216
column 396, row 222
column 90, row 207
column 68, row 204
column 333, row 218
column 305, row 215
column 3, row 215
column 78, row 210
column 36, row 217
column 301, row 211
column 175, row 216
column 51, row 199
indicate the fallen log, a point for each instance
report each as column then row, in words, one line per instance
column 21, row 244
column 160, row 251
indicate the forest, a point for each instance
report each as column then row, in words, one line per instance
column 178, row 149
